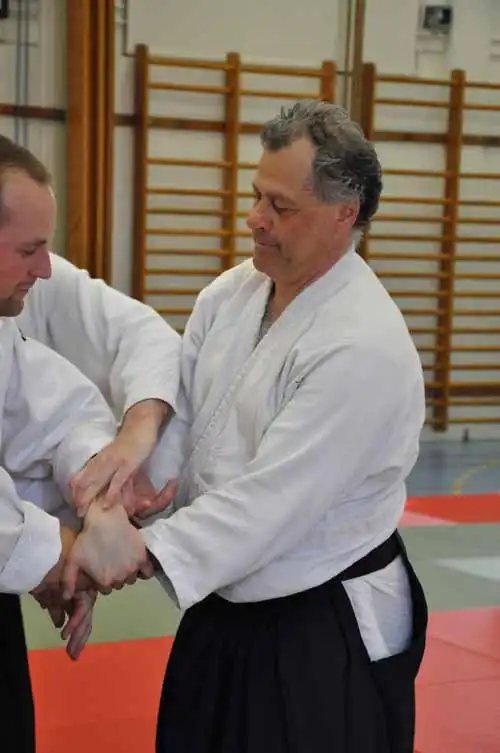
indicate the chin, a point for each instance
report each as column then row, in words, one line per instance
column 264, row 258
column 11, row 306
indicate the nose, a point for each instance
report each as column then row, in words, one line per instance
column 42, row 267
column 258, row 219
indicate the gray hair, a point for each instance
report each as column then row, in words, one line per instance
column 345, row 166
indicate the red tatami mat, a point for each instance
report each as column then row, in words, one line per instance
column 107, row 701
column 450, row 509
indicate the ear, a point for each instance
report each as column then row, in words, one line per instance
column 347, row 213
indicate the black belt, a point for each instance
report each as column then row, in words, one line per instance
column 375, row 560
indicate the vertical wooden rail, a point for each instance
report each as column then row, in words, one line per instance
column 231, row 152
column 328, row 81
column 79, row 124
column 357, row 61
column 103, row 129
column 448, row 248
column 141, row 120
column 367, row 123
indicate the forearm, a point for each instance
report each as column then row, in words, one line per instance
column 146, row 417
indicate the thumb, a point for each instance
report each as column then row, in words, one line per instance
column 167, row 494
column 161, row 501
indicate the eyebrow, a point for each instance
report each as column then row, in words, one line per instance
column 275, row 195
column 37, row 243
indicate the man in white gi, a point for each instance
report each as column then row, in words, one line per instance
column 125, row 348
column 305, row 623
column 53, row 421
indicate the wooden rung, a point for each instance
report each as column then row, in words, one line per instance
column 187, row 252
column 384, row 101
column 476, row 239
column 183, row 231
column 414, row 200
column 413, row 275
column 479, row 106
column 427, row 330
column 475, row 294
column 478, row 221
column 475, row 366
column 174, row 162
column 476, row 312
column 174, row 311
column 422, row 312
column 467, row 401
column 389, row 78
column 181, row 211
column 476, row 331
column 410, row 238
column 411, row 218
column 478, row 203
column 278, row 94
column 418, row 293
column 430, row 349
column 379, row 256
column 474, row 420
column 481, row 176
column 476, row 276
column 199, row 89
column 170, row 191
column 210, row 65
column 187, row 272
column 276, row 70
column 485, row 387
column 173, row 291
column 419, row 173
column 481, row 85
column 477, row 257
column 247, row 166
column 433, row 385
column 476, row 348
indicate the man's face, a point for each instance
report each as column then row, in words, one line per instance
column 296, row 236
column 25, row 237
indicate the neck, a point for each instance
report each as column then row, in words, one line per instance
column 284, row 292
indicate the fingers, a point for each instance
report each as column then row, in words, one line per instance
column 69, row 579
column 122, row 476
column 79, row 635
column 57, row 615
column 160, row 502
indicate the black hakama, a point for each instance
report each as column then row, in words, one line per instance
column 290, row 675
column 17, row 720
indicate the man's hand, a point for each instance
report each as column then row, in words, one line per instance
column 109, row 550
column 119, row 461
column 79, row 613
column 140, row 499
column 79, row 625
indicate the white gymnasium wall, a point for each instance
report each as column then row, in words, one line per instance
column 46, row 88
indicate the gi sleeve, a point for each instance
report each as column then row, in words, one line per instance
column 312, row 456
column 54, row 418
column 30, row 542
column 122, row 345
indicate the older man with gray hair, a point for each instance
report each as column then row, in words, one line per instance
column 305, row 623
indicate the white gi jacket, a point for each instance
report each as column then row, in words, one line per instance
column 298, row 447
column 52, row 421
column 126, row 348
